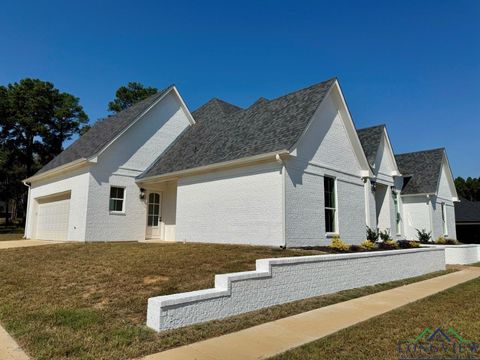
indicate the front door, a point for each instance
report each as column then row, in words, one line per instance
column 154, row 216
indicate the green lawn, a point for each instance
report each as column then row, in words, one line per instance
column 378, row 338
column 89, row 301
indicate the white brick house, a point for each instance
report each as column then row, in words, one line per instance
column 284, row 172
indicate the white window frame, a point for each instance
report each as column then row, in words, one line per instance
column 335, row 209
column 443, row 207
column 113, row 212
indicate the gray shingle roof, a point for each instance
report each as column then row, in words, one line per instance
column 101, row 133
column 467, row 211
column 266, row 126
column 421, row 170
column 370, row 138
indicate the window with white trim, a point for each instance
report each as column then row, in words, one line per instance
column 330, row 195
column 444, row 219
column 117, row 199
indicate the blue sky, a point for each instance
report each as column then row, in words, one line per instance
column 413, row 65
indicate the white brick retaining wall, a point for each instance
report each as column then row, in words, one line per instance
column 459, row 254
column 282, row 280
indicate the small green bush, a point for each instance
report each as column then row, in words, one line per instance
column 441, row 240
column 338, row 244
column 384, row 235
column 367, row 245
column 424, row 236
column 372, row 235
column 414, row 244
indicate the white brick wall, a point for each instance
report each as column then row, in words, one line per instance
column 125, row 159
column 282, row 280
column 236, row 206
column 324, row 150
column 459, row 254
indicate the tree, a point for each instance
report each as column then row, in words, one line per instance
column 35, row 120
column 469, row 188
column 128, row 95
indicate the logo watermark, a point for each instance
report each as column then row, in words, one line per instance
column 438, row 344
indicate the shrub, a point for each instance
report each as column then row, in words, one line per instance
column 441, row 240
column 424, row 236
column 451, row 242
column 384, row 235
column 388, row 245
column 372, row 235
column 414, row 244
column 367, row 245
column 338, row 245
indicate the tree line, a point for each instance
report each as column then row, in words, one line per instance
column 36, row 119
column 468, row 188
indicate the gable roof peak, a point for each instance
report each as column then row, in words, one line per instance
column 423, row 169
column 103, row 132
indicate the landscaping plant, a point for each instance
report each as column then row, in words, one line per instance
column 372, row 234
column 423, row 236
column 441, row 240
column 384, row 235
column 338, row 244
column 367, row 245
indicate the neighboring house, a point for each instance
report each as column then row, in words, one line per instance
column 428, row 193
column 284, row 172
column 467, row 217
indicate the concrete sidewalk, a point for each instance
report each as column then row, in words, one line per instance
column 11, row 244
column 266, row 340
column 9, row 350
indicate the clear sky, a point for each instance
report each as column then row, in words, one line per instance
column 413, row 65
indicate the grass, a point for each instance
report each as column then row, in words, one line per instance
column 378, row 338
column 89, row 301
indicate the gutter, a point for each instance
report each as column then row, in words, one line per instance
column 272, row 156
column 66, row 167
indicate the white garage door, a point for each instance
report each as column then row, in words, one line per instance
column 52, row 217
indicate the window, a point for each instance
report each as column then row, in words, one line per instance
column 330, row 204
column 117, row 197
column 397, row 211
column 444, row 219
column 153, row 209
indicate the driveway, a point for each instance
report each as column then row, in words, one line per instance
column 24, row 243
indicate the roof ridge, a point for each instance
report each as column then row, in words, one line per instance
column 305, row 88
column 372, row 127
column 421, row 151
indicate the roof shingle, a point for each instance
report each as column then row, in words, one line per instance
column 218, row 136
column 467, row 211
column 421, row 170
column 370, row 138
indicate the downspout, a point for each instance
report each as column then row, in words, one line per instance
column 430, row 213
column 279, row 159
column 27, row 213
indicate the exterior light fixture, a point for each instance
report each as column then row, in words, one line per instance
column 142, row 193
